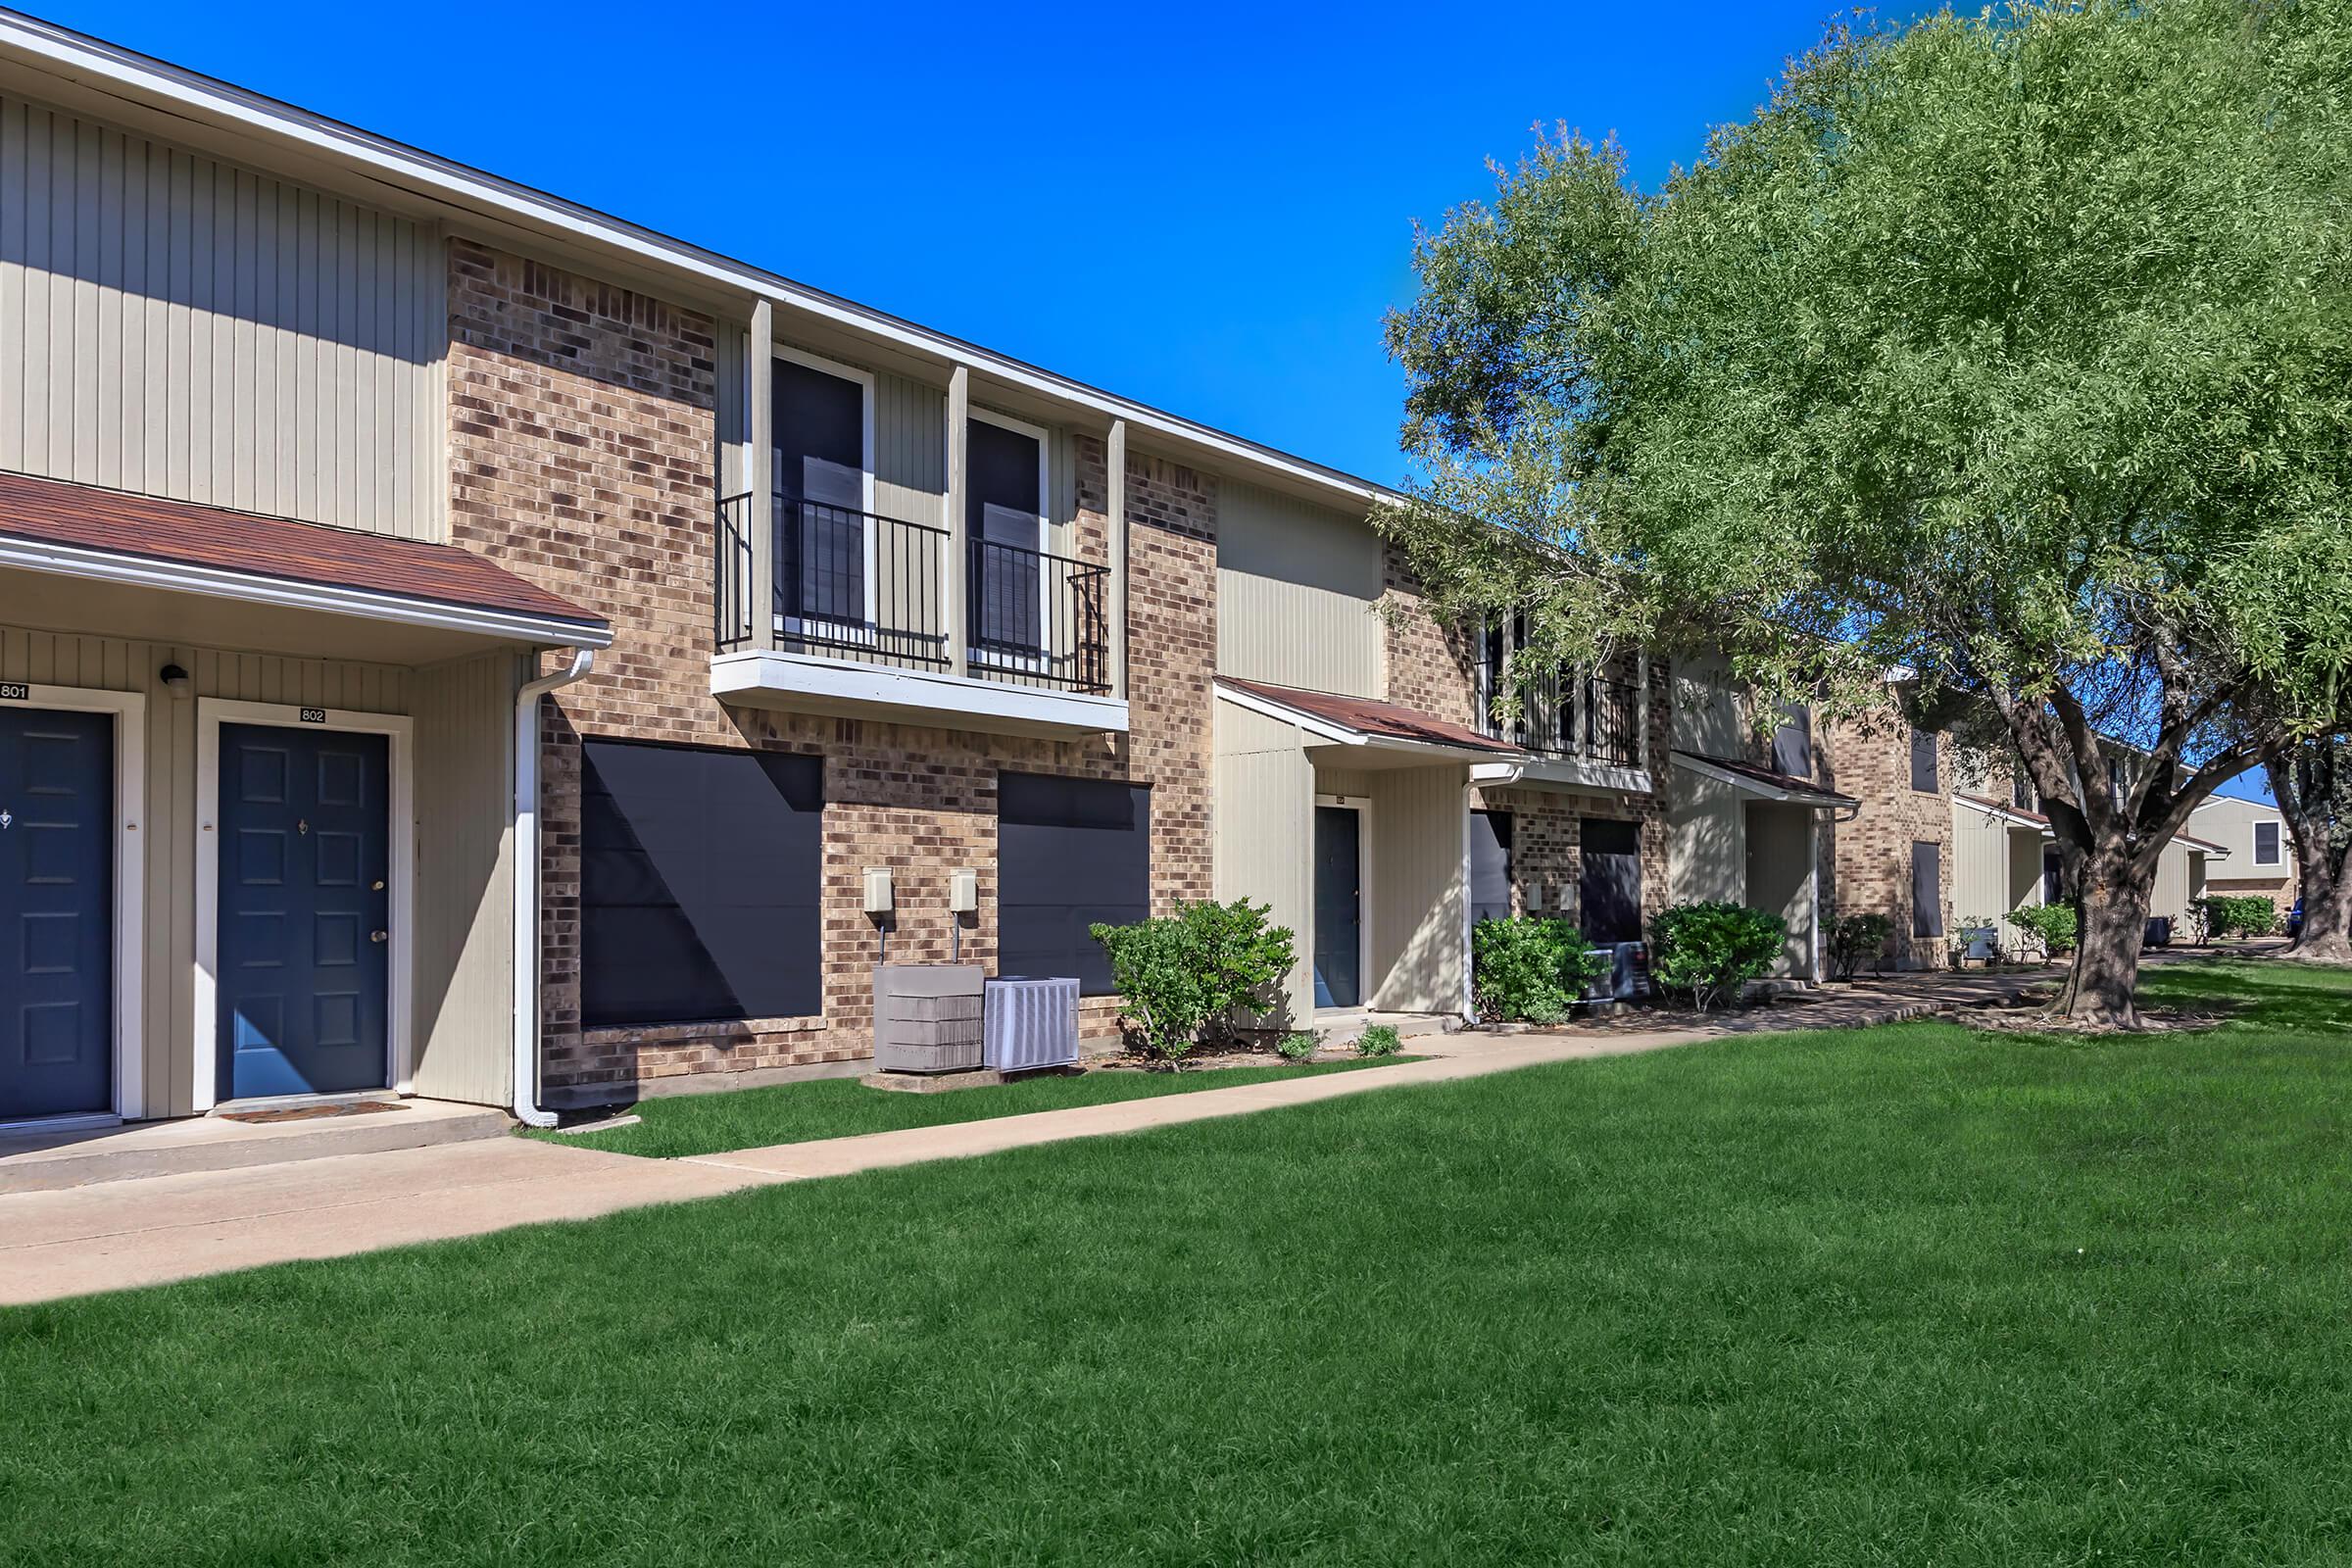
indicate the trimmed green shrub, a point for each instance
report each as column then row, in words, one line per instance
column 1381, row 1040
column 1243, row 957
column 1856, row 939
column 1181, row 974
column 1530, row 967
column 2248, row 914
column 1297, row 1046
column 2049, row 927
column 1709, row 952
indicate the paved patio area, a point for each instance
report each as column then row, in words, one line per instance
column 121, row 1234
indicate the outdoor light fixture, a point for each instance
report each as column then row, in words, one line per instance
column 174, row 679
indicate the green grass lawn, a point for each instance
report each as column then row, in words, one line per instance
column 1909, row 1295
column 841, row 1108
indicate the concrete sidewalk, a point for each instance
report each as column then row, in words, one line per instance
column 146, row 1232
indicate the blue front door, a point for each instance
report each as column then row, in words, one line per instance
column 305, row 865
column 1339, row 908
column 57, row 906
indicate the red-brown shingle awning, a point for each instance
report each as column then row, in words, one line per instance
column 1376, row 720
column 82, row 531
column 1788, row 787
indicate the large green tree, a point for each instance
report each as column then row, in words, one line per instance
column 2313, row 786
column 2007, row 349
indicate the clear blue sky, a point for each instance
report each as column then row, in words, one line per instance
column 1208, row 209
column 1205, row 208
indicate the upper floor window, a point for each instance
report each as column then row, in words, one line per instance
column 2267, row 848
column 1792, row 742
column 824, row 442
column 2020, row 792
column 1005, row 518
column 1923, row 761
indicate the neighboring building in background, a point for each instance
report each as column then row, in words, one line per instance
column 1752, row 816
column 2260, row 845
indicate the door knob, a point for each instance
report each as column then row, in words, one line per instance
column 378, row 936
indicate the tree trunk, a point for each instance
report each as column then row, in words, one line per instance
column 2114, row 924
column 2326, row 936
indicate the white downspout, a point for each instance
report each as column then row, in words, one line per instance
column 527, row 887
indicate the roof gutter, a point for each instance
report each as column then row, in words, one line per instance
column 526, row 886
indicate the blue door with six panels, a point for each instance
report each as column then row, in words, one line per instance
column 305, row 862
column 57, row 895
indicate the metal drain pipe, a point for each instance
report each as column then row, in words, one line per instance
column 527, row 887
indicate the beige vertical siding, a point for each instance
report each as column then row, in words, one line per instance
column 1706, row 711
column 182, row 327
column 463, row 853
column 1419, row 896
column 1706, row 840
column 910, row 450
column 1980, row 865
column 1265, row 827
column 2170, row 896
column 464, row 921
column 1298, row 586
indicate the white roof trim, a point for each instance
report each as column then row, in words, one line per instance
column 63, row 52
column 2003, row 813
column 1818, row 799
column 252, row 588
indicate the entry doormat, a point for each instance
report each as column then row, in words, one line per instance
column 357, row 1108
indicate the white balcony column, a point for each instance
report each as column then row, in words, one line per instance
column 1641, row 708
column 1115, row 520
column 954, row 595
column 760, row 511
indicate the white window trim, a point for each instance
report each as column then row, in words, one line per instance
column 1362, row 807
column 794, row 626
column 2277, row 855
column 1043, row 657
column 129, row 711
column 210, row 713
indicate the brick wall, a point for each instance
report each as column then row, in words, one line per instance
column 581, row 427
column 1866, row 863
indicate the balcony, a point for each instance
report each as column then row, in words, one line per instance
column 1580, row 732
column 860, row 622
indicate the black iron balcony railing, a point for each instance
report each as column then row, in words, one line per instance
column 1589, row 717
column 855, row 585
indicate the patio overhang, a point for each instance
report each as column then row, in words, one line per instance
column 1372, row 734
column 1763, row 784
column 2015, row 817
column 77, row 557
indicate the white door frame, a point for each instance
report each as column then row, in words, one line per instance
column 129, row 711
column 1361, row 805
column 210, row 713
column 1043, row 658
column 864, row 380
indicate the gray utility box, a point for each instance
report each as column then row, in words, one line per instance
column 1032, row 1024
column 927, row 1017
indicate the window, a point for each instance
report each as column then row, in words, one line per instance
column 823, row 436
column 2266, row 844
column 1004, row 516
column 1489, row 865
column 699, row 884
column 1071, row 853
column 1927, row 889
column 1923, row 761
column 1608, row 886
column 1792, row 742
column 2020, row 792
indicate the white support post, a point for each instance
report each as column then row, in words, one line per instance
column 1115, row 518
column 760, row 511
column 959, row 549
column 1641, row 705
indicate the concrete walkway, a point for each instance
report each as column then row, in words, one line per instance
column 145, row 1232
